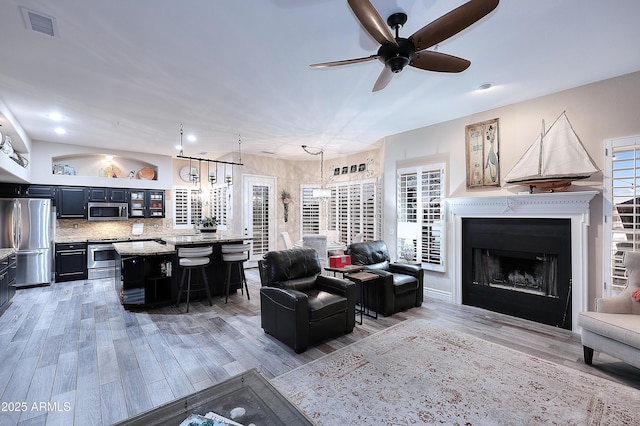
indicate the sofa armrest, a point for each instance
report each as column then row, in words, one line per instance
column 290, row 299
column 284, row 314
column 344, row 288
column 415, row 271
column 334, row 284
column 619, row 304
column 405, row 268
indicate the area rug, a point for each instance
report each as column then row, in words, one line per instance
column 416, row 373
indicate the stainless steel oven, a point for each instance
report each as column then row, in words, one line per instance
column 101, row 259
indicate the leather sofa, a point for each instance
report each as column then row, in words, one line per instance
column 298, row 305
column 401, row 285
column 614, row 327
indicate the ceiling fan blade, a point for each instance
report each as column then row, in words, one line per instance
column 441, row 62
column 451, row 23
column 344, row 62
column 383, row 79
column 371, row 21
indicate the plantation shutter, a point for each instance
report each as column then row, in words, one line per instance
column 219, row 204
column 187, row 206
column 419, row 209
column 355, row 208
column 310, row 212
column 431, row 235
column 260, row 223
column 181, row 206
column 621, row 195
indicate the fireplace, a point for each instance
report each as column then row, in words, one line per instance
column 519, row 267
column 534, row 273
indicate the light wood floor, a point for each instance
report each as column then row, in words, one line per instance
column 72, row 349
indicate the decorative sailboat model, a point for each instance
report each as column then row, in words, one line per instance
column 555, row 159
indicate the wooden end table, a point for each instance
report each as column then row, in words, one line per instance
column 347, row 269
column 365, row 278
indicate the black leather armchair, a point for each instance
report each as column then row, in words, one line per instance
column 298, row 305
column 401, row 286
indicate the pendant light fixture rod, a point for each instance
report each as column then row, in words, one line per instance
column 209, row 160
column 233, row 163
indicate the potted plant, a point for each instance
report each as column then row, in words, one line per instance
column 209, row 224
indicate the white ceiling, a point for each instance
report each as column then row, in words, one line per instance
column 125, row 74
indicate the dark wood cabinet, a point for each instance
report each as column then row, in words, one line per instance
column 146, row 203
column 71, row 261
column 118, row 195
column 8, row 267
column 9, row 190
column 97, row 194
column 72, row 202
column 156, row 203
column 144, row 280
column 39, row 191
column 109, row 195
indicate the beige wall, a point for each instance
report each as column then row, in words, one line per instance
column 599, row 111
column 289, row 175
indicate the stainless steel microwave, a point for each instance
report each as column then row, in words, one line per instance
column 108, row 211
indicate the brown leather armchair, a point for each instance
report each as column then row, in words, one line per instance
column 298, row 305
column 401, row 286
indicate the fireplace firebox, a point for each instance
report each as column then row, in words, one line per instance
column 518, row 266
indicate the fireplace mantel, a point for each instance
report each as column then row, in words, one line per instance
column 567, row 205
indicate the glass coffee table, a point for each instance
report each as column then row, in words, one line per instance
column 249, row 392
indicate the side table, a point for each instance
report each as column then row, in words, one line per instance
column 344, row 269
column 365, row 278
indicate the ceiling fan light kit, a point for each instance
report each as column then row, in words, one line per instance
column 398, row 52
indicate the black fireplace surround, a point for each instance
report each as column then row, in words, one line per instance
column 519, row 267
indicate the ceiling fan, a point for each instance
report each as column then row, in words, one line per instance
column 397, row 52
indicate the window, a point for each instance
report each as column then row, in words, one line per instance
column 355, row 208
column 621, row 195
column 419, row 208
column 191, row 204
column 310, row 211
column 260, row 215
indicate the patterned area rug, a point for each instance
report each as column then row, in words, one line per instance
column 418, row 373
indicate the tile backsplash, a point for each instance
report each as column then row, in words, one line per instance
column 82, row 229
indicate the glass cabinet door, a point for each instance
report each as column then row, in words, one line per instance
column 138, row 203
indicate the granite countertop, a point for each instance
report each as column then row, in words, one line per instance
column 143, row 248
column 84, row 239
column 205, row 238
column 6, row 252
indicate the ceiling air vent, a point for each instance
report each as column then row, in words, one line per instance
column 40, row 23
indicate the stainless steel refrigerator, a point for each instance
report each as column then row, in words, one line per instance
column 28, row 225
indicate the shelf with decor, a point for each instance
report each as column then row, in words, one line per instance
column 104, row 170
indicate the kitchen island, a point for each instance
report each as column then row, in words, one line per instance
column 148, row 275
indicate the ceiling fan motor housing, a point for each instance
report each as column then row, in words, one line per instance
column 397, row 57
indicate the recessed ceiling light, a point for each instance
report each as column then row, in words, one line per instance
column 485, row 86
column 191, row 138
column 60, row 130
column 55, row 116
column 178, row 147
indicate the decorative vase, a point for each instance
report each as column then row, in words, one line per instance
column 208, row 229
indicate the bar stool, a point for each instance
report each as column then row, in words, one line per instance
column 190, row 258
column 235, row 254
